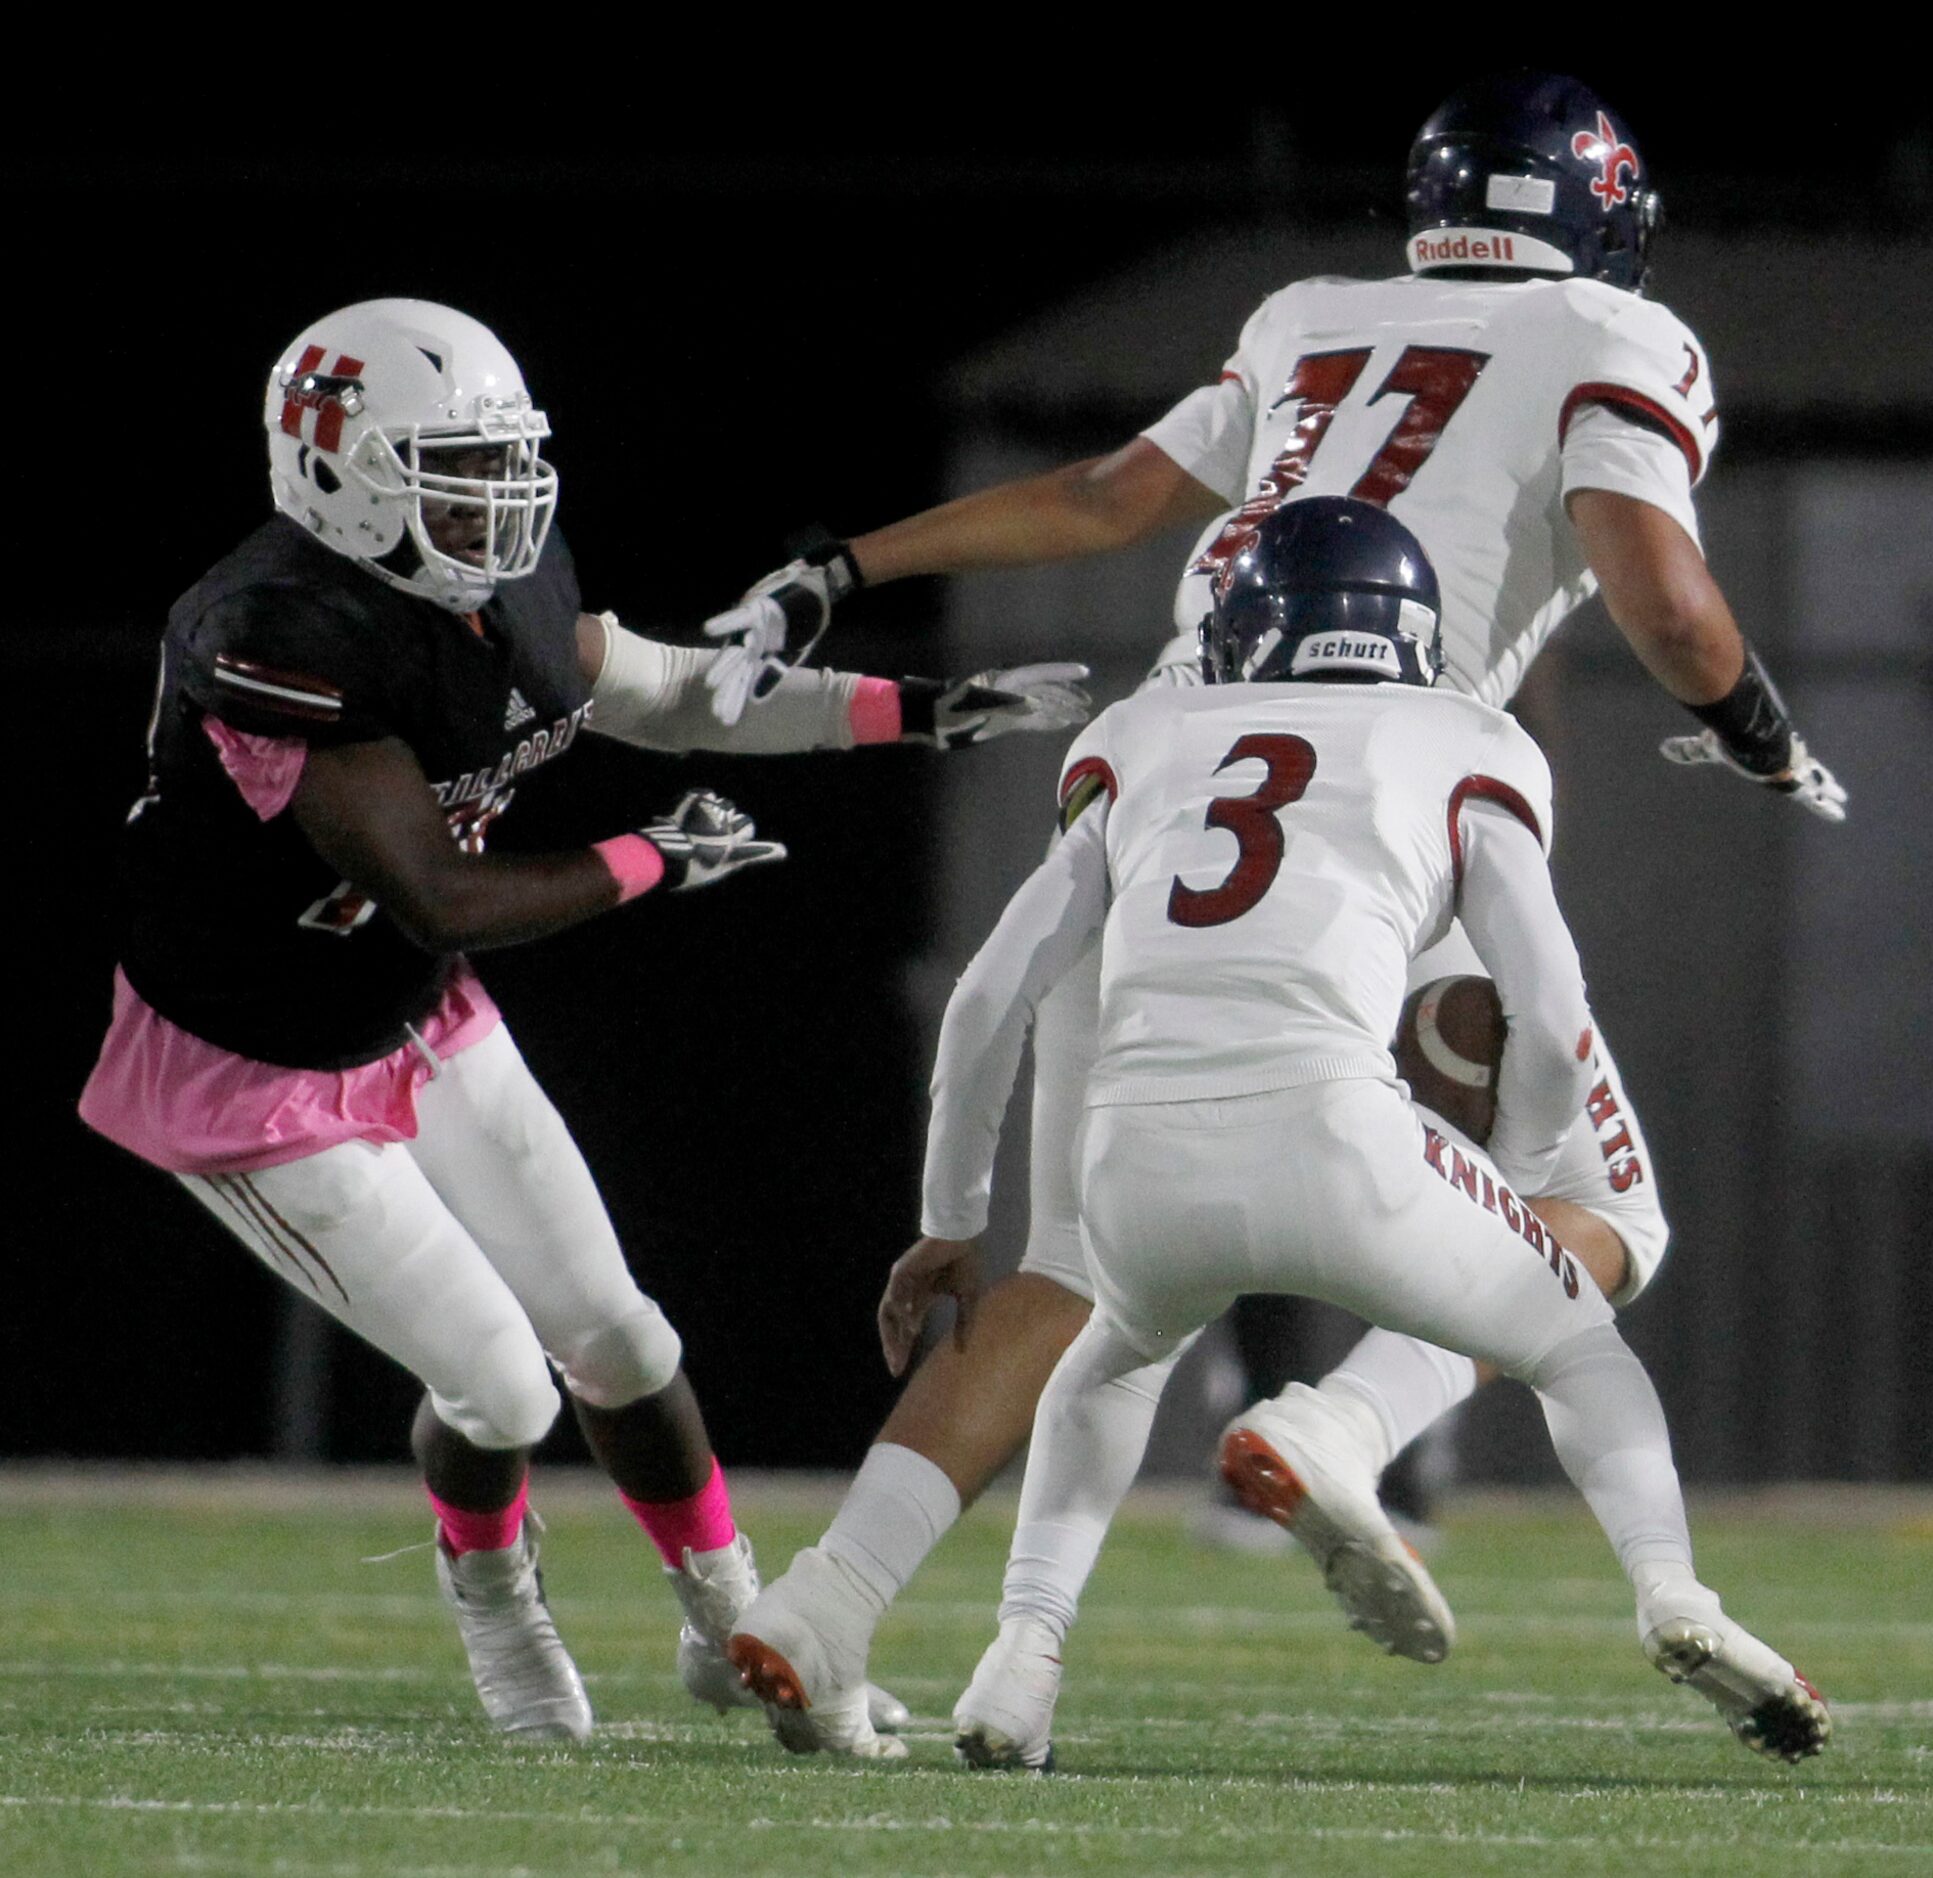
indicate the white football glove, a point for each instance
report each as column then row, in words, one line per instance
column 705, row 838
column 1804, row 775
column 991, row 703
column 797, row 598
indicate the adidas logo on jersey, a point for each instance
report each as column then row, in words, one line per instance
column 516, row 712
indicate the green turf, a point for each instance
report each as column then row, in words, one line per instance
column 214, row 1682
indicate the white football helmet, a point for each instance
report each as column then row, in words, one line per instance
column 394, row 424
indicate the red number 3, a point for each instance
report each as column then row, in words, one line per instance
column 1251, row 820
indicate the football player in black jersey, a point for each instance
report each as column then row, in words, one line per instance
column 346, row 703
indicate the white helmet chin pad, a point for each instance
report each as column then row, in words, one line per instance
column 364, row 412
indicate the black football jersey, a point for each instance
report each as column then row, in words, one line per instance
column 239, row 932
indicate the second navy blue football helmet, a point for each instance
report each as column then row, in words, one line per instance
column 1326, row 588
column 1530, row 171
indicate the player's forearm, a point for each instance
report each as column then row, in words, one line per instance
column 1083, row 508
column 653, row 695
column 368, row 812
column 487, row 900
column 1660, row 594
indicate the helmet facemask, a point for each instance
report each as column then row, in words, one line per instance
column 475, row 505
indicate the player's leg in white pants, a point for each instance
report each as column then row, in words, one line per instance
column 466, row 1254
column 499, row 1155
column 1325, row 1192
column 965, row 1412
column 1605, row 1168
column 360, row 1230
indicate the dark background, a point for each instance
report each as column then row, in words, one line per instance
column 738, row 322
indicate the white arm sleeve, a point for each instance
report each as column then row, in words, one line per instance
column 1046, row 928
column 1604, row 449
column 653, row 695
column 1510, row 913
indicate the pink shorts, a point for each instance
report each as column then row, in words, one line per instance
column 191, row 1108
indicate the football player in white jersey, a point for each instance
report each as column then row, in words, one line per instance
column 1263, row 858
column 1540, row 427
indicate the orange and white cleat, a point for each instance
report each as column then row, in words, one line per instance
column 1293, row 1461
column 800, row 1648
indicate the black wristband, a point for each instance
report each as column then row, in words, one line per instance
column 918, row 702
column 818, row 546
column 1751, row 721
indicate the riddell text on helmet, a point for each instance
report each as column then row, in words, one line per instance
column 1465, row 248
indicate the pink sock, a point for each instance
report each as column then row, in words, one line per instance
column 464, row 1531
column 703, row 1523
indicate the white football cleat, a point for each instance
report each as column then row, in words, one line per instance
column 1006, row 1717
column 1766, row 1703
column 1295, row 1461
column 524, row 1676
column 713, row 1587
column 801, row 1650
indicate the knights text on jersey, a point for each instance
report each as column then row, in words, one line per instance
column 238, row 931
column 1448, row 402
column 1277, row 854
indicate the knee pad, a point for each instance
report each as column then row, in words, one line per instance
column 511, row 1405
column 635, row 1357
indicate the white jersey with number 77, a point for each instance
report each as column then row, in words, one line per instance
column 1470, row 409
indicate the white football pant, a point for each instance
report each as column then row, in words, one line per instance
column 1605, row 1166
column 470, row 1254
column 1324, row 1192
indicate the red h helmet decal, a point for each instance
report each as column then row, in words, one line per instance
column 307, row 389
column 1603, row 148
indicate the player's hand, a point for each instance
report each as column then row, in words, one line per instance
column 1804, row 776
column 953, row 714
column 705, row 838
column 793, row 603
column 928, row 1270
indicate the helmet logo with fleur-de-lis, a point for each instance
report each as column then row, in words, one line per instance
column 1604, row 148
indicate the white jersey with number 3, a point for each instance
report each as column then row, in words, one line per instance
column 1468, row 408
column 1276, row 855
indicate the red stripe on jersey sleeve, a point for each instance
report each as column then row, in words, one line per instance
column 1636, row 405
column 1485, row 789
column 1089, row 766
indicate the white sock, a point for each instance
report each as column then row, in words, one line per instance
column 1090, row 1433
column 897, row 1510
column 1404, row 1383
column 1609, row 1431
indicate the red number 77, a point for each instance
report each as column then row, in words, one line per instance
column 1436, row 380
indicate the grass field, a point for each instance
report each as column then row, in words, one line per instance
column 200, row 1674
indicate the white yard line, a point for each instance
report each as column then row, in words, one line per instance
column 886, row 1822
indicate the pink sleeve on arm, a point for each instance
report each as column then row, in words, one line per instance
column 875, row 711
column 264, row 769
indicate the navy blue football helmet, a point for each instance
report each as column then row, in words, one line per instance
column 1326, row 588
column 1530, row 171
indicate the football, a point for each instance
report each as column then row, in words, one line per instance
column 1448, row 1046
